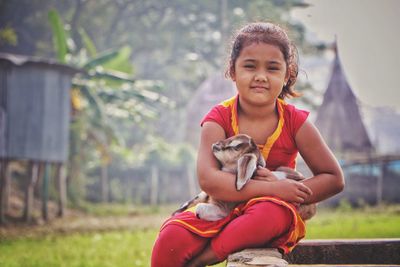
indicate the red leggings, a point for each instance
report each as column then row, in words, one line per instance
column 260, row 224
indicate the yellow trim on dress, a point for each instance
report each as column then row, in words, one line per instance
column 271, row 140
column 195, row 229
column 266, row 148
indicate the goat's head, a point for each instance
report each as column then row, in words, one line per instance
column 239, row 154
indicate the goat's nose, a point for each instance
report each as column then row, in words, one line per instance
column 216, row 147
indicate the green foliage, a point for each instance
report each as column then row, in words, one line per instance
column 88, row 43
column 103, row 95
column 8, row 36
column 59, row 36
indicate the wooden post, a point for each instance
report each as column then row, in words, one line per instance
column 4, row 190
column 31, row 181
column 154, row 185
column 62, row 188
column 379, row 184
column 45, row 191
column 37, row 191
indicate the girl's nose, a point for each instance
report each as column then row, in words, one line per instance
column 260, row 78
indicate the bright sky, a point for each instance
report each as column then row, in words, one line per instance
column 368, row 36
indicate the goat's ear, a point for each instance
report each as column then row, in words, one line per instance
column 247, row 165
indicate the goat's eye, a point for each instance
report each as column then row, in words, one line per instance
column 237, row 147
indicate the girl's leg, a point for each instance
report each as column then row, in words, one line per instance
column 259, row 225
column 175, row 246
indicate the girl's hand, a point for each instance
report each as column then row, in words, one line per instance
column 263, row 174
column 291, row 191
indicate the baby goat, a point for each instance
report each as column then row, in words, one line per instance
column 239, row 155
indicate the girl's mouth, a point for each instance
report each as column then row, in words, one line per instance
column 259, row 88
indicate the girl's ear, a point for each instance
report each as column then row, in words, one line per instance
column 287, row 76
column 233, row 75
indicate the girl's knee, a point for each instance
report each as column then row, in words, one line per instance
column 259, row 225
column 272, row 214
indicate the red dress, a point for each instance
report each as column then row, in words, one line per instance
column 279, row 150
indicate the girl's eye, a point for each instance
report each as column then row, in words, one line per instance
column 249, row 66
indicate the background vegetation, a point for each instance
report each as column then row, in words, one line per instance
column 143, row 62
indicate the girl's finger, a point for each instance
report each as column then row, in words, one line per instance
column 265, row 178
column 305, row 189
column 263, row 172
column 303, row 195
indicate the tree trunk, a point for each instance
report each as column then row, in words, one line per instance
column 191, row 180
column 154, row 185
column 104, row 183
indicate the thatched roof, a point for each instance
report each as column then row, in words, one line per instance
column 339, row 119
column 211, row 92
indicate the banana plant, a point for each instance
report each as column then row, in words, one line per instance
column 102, row 92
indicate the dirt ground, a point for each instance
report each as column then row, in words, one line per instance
column 73, row 221
column 80, row 223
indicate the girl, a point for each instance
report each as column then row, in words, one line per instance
column 263, row 65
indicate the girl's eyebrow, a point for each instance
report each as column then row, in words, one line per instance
column 275, row 62
column 278, row 62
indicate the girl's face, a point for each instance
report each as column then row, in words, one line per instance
column 260, row 73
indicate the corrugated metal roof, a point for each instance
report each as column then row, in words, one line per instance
column 20, row 60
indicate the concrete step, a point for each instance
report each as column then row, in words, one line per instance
column 343, row 252
column 346, row 251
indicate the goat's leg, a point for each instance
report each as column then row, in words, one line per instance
column 210, row 212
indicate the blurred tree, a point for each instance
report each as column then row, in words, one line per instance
column 102, row 92
column 178, row 42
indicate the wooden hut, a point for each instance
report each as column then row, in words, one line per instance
column 211, row 92
column 338, row 117
column 34, row 121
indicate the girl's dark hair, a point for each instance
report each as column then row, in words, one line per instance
column 264, row 32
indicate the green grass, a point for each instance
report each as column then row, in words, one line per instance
column 109, row 249
column 133, row 248
column 383, row 222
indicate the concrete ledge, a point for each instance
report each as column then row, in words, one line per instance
column 257, row 257
column 346, row 251
column 327, row 252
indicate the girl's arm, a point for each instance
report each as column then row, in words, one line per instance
column 221, row 185
column 328, row 177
